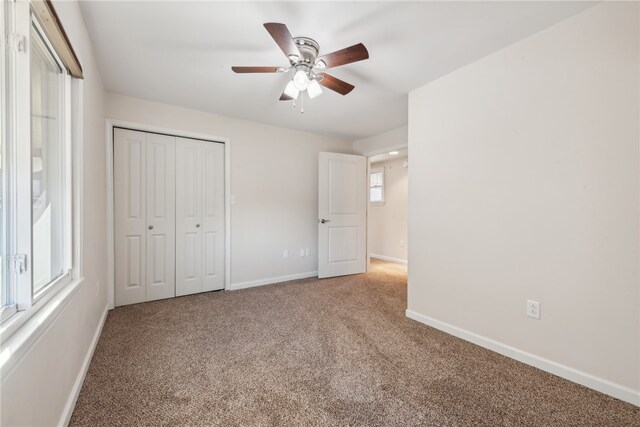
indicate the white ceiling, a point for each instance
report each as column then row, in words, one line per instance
column 181, row 52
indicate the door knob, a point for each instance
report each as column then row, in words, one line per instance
column 324, row 220
column 197, row 225
column 151, row 227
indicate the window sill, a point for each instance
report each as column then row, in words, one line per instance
column 376, row 203
column 17, row 337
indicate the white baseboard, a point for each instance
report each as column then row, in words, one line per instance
column 388, row 258
column 77, row 386
column 271, row 280
column 599, row 384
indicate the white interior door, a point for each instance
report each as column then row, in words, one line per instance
column 161, row 216
column 199, row 216
column 144, row 196
column 129, row 180
column 188, row 217
column 342, row 215
column 213, row 217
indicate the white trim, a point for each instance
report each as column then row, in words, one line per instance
column 111, row 249
column 77, row 114
column 110, row 124
column 40, row 301
column 27, row 333
column 366, row 230
column 272, row 280
column 599, row 384
column 227, row 214
column 388, row 258
column 21, row 219
column 77, row 386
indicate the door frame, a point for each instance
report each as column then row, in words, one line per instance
column 368, row 155
column 113, row 123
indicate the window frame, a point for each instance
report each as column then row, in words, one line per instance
column 20, row 18
column 372, row 171
column 65, row 110
column 6, row 78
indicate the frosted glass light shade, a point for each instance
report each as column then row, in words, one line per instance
column 301, row 80
column 291, row 90
column 314, row 90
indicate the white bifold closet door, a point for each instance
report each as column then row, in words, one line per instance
column 199, row 216
column 169, row 216
column 144, row 187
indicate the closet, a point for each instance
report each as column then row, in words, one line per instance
column 169, row 216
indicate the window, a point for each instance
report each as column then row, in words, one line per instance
column 5, row 296
column 48, row 155
column 376, row 186
column 35, row 165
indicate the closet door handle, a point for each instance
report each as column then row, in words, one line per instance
column 151, row 227
column 197, row 225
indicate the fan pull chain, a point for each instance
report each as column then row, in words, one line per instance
column 301, row 102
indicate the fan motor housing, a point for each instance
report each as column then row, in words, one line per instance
column 308, row 48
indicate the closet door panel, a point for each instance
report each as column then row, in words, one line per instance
column 189, row 178
column 160, row 200
column 213, row 216
column 130, row 216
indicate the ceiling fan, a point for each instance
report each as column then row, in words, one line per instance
column 307, row 66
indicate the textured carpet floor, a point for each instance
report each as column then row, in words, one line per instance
column 329, row 352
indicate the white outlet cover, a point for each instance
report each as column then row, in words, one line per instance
column 533, row 309
column 301, row 252
column 307, row 252
column 285, row 254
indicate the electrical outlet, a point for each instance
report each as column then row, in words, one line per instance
column 307, row 252
column 285, row 254
column 533, row 309
column 402, row 243
column 301, row 252
column 98, row 287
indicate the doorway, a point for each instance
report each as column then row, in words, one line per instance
column 387, row 231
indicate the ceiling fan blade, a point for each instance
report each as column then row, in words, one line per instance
column 255, row 69
column 354, row 53
column 335, row 84
column 282, row 37
column 285, row 97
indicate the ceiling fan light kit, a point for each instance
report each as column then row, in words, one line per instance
column 302, row 53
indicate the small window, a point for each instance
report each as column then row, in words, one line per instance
column 376, row 186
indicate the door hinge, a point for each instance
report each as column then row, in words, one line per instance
column 17, row 42
column 18, row 263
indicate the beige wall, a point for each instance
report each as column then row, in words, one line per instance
column 528, row 188
column 387, row 223
column 274, row 178
column 41, row 384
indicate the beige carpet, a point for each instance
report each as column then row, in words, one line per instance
column 330, row 352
